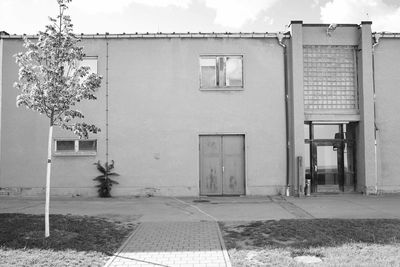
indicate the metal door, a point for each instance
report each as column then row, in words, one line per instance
column 222, row 165
column 210, row 165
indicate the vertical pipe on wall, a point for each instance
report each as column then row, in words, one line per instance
column 296, row 104
column 1, row 93
column 107, row 141
column 280, row 41
column 367, row 129
column 376, row 37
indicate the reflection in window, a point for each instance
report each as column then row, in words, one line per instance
column 233, row 71
column 327, row 162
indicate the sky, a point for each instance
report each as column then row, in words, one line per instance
column 130, row 16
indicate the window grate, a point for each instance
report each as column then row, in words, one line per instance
column 330, row 78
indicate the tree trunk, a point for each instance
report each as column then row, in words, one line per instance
column 48, row 172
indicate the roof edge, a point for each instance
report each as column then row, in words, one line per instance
column 161, row 35
column 387, row 34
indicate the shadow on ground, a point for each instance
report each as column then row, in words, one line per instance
column 67, row 232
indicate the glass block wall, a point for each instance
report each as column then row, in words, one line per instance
column 330, row 78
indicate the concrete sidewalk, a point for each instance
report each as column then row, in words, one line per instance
column 194, row 244
column 184, row 232
column 155, row 209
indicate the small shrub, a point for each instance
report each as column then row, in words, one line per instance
column 105, row 182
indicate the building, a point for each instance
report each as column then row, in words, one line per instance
column 220, row 114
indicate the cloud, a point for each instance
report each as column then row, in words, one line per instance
column 384, row 17
column 23, row 16
column 165, row 3
column 105, row 6
column 88, row 16
column 315, row 3
column 235, row 13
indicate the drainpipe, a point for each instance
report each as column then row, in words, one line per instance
column 377, row 36
column 280, row 36
column 107, row 92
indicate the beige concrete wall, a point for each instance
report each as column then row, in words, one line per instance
column 342, row 35
column 156, row 115
column 387, row 80
column 296, row 110
column 155, row 135
column 366, row 162
column 24, row 136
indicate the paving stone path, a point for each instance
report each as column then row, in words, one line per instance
column 175, row 244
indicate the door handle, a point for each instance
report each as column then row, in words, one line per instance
column 223, row 168
column 315, row 168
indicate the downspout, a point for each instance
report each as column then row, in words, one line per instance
column 280, row 36
column 377, row 36
column 107, row 141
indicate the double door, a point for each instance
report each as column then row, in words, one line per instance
column 222, row 166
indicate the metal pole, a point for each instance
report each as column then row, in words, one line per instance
column 107, row 142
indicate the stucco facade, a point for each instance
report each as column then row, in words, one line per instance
column 158, row 112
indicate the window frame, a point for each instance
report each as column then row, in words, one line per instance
column 76, row 151
column 224, row 87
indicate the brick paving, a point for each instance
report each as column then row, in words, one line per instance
column 175, row 244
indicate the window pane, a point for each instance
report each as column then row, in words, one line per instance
column 208, row 62
column 91, row 63
column 234, row 71
column 87, row 145
column 208, row 77
column 65, row 145
column 208, row 72
column 306, row 131
column 221, row 79
column 325, row 131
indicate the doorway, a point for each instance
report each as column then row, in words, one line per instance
column 222, row 165
column 330, row 157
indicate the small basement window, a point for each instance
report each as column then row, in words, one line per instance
column 221, row 72
column 75, row 147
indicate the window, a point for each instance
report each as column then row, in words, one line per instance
column 90, row 62
column 330, row 78
column 65, row 147
column 221, row 72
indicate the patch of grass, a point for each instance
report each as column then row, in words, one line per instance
column 74, row 240
column 338, row 242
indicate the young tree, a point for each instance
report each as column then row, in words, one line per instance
column 52, row 82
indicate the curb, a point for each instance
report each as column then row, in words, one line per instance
column 224, row 251
column 115, row 255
